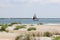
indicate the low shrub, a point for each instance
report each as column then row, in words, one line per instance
column 19, row 27
column 31, row 28
column 3, row 27
column 22, row 37
column 33, row 34
column 19, row 37
column 47, row 34
column 1, row 24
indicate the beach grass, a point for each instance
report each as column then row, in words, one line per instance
column 19, row 37
column 47, row 34
column 3, row 27
column 19, row 27
column 31, row 28
column 56, row 38
column 23, row 37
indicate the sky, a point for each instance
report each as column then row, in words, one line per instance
column 27, row 8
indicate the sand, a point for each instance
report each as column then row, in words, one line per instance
column 40, row 28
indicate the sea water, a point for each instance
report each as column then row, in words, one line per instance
column 29, row 20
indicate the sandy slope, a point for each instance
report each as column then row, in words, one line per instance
column 41, row 28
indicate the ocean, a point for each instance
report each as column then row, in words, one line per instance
column 29, row 20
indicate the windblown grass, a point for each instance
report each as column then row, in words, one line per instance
column 23, row 37
column 19, row 27
column 31, row 28
column 47, row 34
column 3, row 27
column 56, row 38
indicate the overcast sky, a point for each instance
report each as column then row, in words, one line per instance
column 27, row 8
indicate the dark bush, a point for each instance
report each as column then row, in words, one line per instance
column 47, row 34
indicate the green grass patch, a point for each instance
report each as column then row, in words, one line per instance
column 3, row 27
column 19, row 27
column 56, row 38
column 1, row 24
column 47, row 34
column 31, row 28
column 23, row 37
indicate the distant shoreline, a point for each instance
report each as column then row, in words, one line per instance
column 29, row 18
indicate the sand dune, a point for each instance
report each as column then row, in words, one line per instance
column 12, row 34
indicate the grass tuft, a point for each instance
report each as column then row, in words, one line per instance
column 31, row 28
column 19, row 27
column 47, row 34
column 56, row 38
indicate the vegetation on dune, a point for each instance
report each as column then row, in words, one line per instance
column 3, row 27
column 26, row 37
column 38, row 34
column 19, row 37
column 47, row 34
column 19, row 27
column 56, row 38
column 31, row 28
column 1, row 24
column 23, row 37
column 33, row 34
column 14, row 23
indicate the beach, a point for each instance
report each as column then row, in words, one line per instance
column 12, row 34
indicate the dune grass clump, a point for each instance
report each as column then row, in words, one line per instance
column 19, row 37
column 33, row 34
column 19, row 27
column 56, row 38
column 23, row 37
column 1, row 24
column 3, row 27
column 31, row 28
column 14, row 23
column 47, row 34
